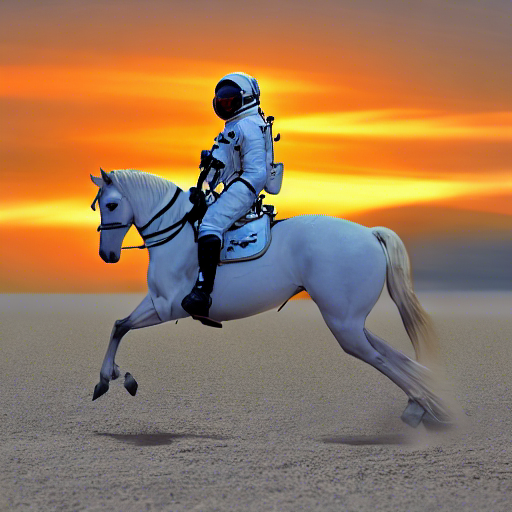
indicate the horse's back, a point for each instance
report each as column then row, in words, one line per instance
column 335, row 255
column 324, row 225
column 321, row 236
column 328, row 257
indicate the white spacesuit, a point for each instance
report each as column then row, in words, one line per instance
column 241, row 148
column 245, row 154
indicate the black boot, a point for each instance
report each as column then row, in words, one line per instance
column 198, row 301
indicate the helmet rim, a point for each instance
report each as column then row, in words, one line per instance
column 249, row 92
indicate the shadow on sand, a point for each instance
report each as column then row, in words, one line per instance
column 367, row 440
column 155, row 439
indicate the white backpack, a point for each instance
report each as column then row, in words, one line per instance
column 274, row 170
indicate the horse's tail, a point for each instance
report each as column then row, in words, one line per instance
column 416, row 321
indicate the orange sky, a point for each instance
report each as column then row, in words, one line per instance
column 380, row 105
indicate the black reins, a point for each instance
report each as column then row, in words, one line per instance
column 163, row 210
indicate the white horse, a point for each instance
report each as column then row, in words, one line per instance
column 342, row 265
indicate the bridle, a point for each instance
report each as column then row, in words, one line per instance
column 108, row 225
column 112, row 225
column 188, row 217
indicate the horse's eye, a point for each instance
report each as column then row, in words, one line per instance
column 111, row 206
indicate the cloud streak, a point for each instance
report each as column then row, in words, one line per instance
column 404, row 124
column 175, row 80
column 303, row 193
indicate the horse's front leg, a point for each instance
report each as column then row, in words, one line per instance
column 144, row 315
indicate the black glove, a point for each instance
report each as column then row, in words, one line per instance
column 196, row 195
column 197, row 198
column 208, row 162
column 206, row 159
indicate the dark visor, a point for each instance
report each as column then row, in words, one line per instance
column 228, row 99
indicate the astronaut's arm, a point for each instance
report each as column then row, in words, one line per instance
column 254, row 158
column 210, row 169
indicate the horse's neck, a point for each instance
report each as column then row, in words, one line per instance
column 182, row 247
column 174, row 261
column 175, row 213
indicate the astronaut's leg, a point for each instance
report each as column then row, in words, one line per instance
column 198, row 301
column 229, row 207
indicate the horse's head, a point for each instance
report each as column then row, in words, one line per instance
column 116, row 217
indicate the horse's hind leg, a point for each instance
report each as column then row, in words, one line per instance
column 144, row 315
column 426, row 406
column 404, row 372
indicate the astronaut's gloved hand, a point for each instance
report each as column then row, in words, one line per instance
column 197, row 198
column 206, row 159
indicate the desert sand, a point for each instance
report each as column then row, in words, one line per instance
column 265, row 414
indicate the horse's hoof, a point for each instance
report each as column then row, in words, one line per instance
column 100, row 389
column 130, row 384
column 115, row 372
column 413, row 414
column 437, row 425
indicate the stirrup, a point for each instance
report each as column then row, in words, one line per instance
column 206, row 320
column 197, row 304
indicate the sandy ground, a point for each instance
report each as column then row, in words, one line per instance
column 266, row 414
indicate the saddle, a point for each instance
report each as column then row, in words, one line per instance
column 250, row 236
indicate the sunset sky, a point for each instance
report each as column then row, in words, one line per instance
column 380, row 105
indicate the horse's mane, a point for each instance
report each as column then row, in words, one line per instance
column 144, row 191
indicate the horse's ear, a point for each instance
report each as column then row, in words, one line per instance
column 97, row 181
column 106, row 178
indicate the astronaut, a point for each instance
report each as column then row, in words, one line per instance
column 243, row 153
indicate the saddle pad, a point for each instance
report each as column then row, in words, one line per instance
column 247, row 242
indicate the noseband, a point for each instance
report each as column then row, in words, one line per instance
column 112, row 225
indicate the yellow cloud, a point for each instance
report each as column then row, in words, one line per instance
column 345, row 194
column 170, row 82
column 69, row 212
column 393, row 124
column 81, row 83
column 303, row 193
column 403, row 124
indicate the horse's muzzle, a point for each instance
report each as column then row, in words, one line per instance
column 110, row 258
